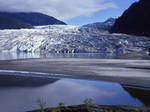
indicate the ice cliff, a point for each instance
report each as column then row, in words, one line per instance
column 71, row 39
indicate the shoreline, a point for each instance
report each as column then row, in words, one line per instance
column 124, row 72
column 60, row 76
column 96, row 108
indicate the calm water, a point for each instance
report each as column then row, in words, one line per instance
column 19, row 94
column 23, row 55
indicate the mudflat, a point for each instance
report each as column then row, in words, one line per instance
column 135, row 73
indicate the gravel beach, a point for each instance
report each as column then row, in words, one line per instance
column 134, row 73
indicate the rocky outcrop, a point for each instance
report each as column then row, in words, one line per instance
column 135, row 20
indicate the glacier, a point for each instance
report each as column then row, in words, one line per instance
column 71, row 39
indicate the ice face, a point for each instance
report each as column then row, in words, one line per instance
column 71, row 39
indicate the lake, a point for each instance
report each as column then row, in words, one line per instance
column 20, row 93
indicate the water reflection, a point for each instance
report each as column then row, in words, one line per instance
column 80, row 55
column 21, row 81
column 18, row 97
column 24, row 55
column 142, row 95
column 15, row 55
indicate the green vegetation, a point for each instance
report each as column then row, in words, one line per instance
column 88, row 106
column 20, row 20
column 11, row 23
column 89, row 103
column 96, row 108
column 61, row 104
column 42, row 104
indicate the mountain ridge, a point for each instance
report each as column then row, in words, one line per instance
column 106, row 25
column 17, row 20
column 11, row 23
column 135, row 20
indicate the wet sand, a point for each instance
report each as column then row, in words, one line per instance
column 135, row 73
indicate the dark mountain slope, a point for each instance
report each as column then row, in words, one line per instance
column 34, row 19
column 9, row 23
column 135, row 20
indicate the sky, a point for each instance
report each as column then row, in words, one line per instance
column 73, row 12
column 102, row 15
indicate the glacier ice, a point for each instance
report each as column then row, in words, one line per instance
column 71, row 39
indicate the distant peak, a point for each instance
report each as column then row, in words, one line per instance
column 110, row 20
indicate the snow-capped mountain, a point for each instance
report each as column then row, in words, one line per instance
column 70, row 39
column 107, row 25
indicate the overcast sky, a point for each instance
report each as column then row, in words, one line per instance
column 76, row 12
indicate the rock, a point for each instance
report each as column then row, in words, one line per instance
column 135, row 20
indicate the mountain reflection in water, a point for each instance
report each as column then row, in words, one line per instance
column 142, row 95
column 26, row 90
column 21, row 81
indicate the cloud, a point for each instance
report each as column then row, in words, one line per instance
column 61, row 9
